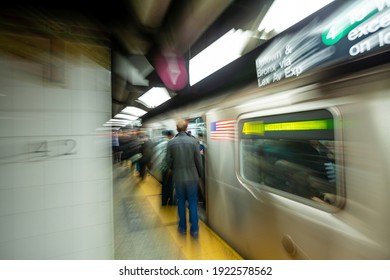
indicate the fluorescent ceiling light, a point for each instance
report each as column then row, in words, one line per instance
column 117, row 122
column 126, row 117
column 131, row 110
column 285, row 13
column 220, row 53
column 154, row 97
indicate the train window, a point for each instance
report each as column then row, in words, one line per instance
column 291, row 153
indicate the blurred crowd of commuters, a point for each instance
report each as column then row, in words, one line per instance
column 176, row 160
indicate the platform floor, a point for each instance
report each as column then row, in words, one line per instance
column 145, row 230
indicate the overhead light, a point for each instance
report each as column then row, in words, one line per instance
column 285, row 13
column 154, row 97
column 226, row 49
column 120, row 120
column 117, row 122
column 131, row 110
column 115, row 125
column 125, row 117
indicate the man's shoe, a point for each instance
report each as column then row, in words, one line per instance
column 195, row 234
column 181, row 231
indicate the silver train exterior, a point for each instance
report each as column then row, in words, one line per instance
column 298, row 169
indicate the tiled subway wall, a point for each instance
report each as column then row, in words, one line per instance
column 55, row 161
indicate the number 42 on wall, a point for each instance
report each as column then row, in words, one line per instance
column 57, row 148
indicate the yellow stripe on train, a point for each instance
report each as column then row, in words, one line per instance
column 259, row 127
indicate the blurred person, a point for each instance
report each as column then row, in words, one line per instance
column 146, row 159
column 167, row 196
column 116, row 152
column 184, row 161
column 202, row 150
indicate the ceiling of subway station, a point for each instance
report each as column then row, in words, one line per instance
column 140, row 31
column 150, row 27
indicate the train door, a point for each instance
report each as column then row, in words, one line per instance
column 197, row 129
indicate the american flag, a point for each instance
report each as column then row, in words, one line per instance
column 223, row 130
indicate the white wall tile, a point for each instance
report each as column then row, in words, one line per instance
column 104, row 188
column 92, row 237
column 29, row 199
column 59, row 243
column 83, row 100
column 83, row 123
column 7, row 124
column 31, row 248
column 103, row 80
column 29, row 224
column 29, row 99
column 6, row 98
column 91, row 169
column 103, row 168
column 59, row 219
column 57, row 99
column 7, row 251
column 6, row 150
column 91, row 214
column 85, row 192
column 59, row 195
column 27, row 174
column 105, row 212
column 57, row 171
column 29, row 123
column 80, row 169
column 6, row 175
column 57, row 123
column 103, row 101
column 92, row 191
column 6, row 228
column 6, row 202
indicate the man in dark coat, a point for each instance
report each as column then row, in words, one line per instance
column 167, row 196
column 147, row 152
column 184, row 160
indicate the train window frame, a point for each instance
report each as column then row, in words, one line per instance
column 250, row 126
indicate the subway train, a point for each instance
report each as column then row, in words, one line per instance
column 297, row 158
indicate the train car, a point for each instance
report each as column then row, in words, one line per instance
column 297, row 160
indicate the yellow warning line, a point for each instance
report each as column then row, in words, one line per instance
column 230, row 249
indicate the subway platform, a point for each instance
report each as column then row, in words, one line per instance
column 145, row 230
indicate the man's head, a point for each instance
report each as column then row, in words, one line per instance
column 181, row 125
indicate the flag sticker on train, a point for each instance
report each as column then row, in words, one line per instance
column 223, row 130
